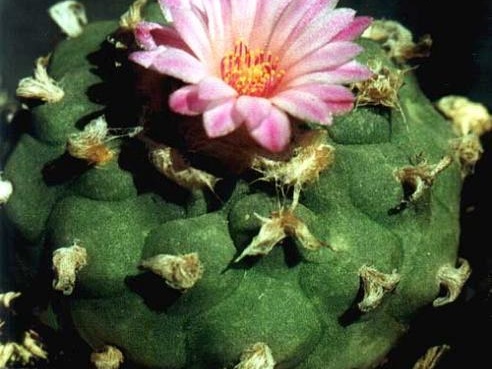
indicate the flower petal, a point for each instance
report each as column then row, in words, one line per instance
column 218, row 14
column 329, row 56
column 143, row 36
column 350, row 72
column 243, row 15
column 340, row 107
column 191, row 26
column 319, row 32
column 311, row 39
column 338, row 99
column 327, row 92
column 267, row 16
column 172, row 62
column 213, row 88
column 147, row 58
column 354, row 29
column 166, row 5
column 296, row 18
column 253, row 110
column 303, row 105
column 150, row 35
column 221, row 119
column 186, row 101
column 273, row 133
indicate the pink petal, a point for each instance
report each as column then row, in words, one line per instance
column 221, row 119
column 253, row 110
column 147, row 58
column 213, row 88
column 318, row 33
column 186, row 101
column 273, row 133
column 303, row 105
column 296, row 18
column 150, row 35
column 184, row 4
column 243, row 19
column 354, row 29
column 173, row 3
column 191, row 26
column 218, row 14
column 327, row 57
column 338, row 99
column 175, row 63
column 143, row 36
column 350, row 72
column 199, row 5
column 340, row 107
column 328, row 92
column 267, row 16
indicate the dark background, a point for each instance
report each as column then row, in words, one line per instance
column 460, row 64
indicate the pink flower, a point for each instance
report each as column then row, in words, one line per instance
column 256, row 62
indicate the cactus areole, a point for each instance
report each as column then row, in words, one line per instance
column 211, row 194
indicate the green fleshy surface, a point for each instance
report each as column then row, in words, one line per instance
column 297, row 301
column 291, row 328
column 31, row 204
column 126, row 322
column 362, row 126
column 75, row 53
column 211, row 240
column 54, row 122
column 113, row 233
column 152, row 13
column 109, row 183
column 354, row 346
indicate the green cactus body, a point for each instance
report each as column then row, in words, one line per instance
column 301, row 303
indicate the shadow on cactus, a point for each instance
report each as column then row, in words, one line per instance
column 238, row 186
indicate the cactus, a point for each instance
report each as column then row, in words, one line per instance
column 180, row 256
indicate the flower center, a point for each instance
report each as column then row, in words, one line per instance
column 251, row 72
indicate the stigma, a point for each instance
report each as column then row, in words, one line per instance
column 251, row 72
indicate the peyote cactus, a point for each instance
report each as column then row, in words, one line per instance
column 165, row 247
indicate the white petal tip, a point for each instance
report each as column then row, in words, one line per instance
column 67, row 262
column 133, row 16
column 108, row 357
column 69, row 16
column 41, row 86
column 180, row 272
column 6, row 190
column 257, row 356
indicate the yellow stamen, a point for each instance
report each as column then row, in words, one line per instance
column 251, row 72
